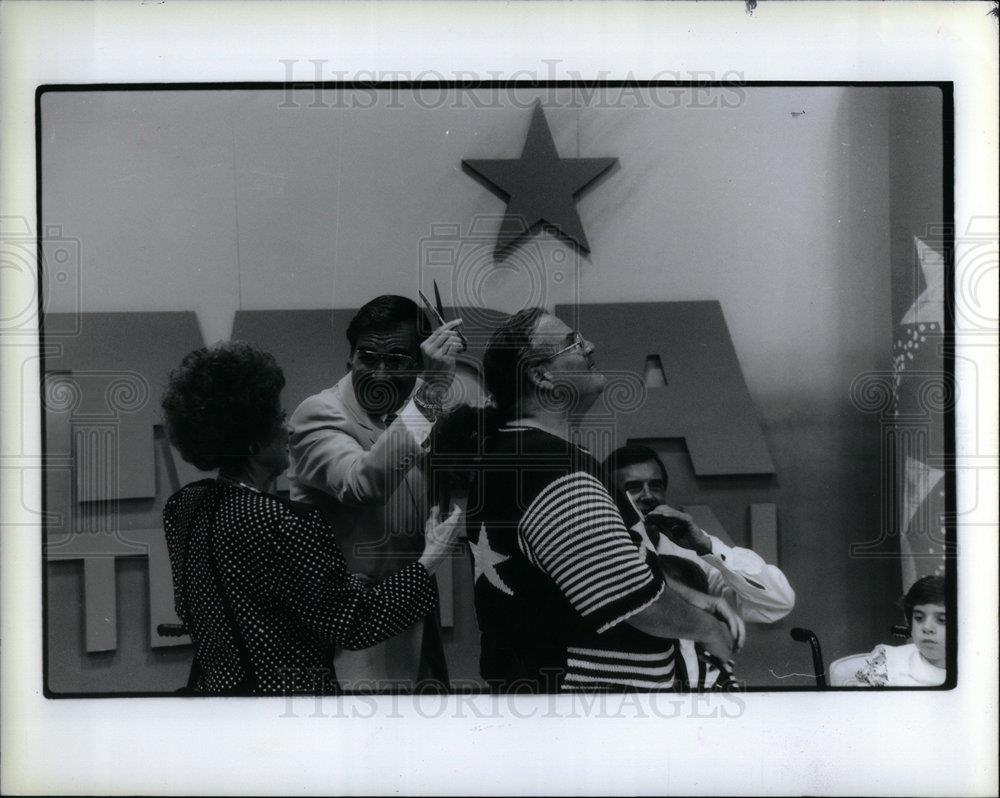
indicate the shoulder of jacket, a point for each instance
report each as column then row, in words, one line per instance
column 265, row 515
column 291, row 511
column 323, row 403
column 324, row 398
column 192, row 490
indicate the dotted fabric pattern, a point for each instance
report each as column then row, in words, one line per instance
column 288, row 587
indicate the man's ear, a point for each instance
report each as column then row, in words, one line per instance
column 540, row 377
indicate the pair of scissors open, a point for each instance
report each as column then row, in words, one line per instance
column 438, row 312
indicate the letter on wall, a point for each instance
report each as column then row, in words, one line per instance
column 705, row 399
column 105, row 482
column 109, row 468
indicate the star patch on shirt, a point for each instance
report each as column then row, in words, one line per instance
column 485, row 562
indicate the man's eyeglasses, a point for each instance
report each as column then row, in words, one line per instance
column 578, row 341
column 391, row 360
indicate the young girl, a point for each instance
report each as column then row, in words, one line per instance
column 922, row 662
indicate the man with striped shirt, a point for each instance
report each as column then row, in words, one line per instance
column 564, row 596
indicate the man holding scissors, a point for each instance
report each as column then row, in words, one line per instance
column 356, row 450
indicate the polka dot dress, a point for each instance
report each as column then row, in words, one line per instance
column 264, row 591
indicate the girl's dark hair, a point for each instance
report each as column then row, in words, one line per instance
column 457, row 440
column 220, row 401
column 684, row 571
column 456, row 449
column 928, row 590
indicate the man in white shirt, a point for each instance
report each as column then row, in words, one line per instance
column 356, row 452
column 758, row 591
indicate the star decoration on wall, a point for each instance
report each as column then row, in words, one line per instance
column 923, row 322
column 921, row 543
column 485, row 562
column 929, row 306
column 540, row 187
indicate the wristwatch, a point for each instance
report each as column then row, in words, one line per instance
column 432, row 410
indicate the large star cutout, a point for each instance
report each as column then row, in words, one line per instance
column 540, row 187
column 485, row 562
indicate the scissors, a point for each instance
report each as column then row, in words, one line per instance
column 438, row 312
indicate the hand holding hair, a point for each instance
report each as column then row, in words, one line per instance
column 440, row 536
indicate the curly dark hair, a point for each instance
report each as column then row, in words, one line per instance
column 220, row 401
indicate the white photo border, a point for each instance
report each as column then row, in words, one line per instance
column 940, row 742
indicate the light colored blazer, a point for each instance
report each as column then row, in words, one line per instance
column 366, row 477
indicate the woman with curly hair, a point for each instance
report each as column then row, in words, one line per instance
column 259, row 581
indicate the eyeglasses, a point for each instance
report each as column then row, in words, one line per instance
column 578, row 341
column 391, row 360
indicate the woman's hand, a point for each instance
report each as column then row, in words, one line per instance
column 716, row 606
column 720, row 608
column 440, row 537
column 719, row 642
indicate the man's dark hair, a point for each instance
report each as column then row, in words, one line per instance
column 507, row 358
column 384, row 314
column 220, row 401
column 929, row 590
column 628, row 455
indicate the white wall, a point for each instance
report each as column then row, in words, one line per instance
column 219, row 201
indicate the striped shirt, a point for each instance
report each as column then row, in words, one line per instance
column 557, row 572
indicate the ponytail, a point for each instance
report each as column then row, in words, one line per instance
column 458, row 440
column 457, row 444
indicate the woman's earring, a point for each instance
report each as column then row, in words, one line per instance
column 254, row 449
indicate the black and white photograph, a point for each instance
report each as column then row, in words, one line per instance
column 360, row 402
column 767, row 406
